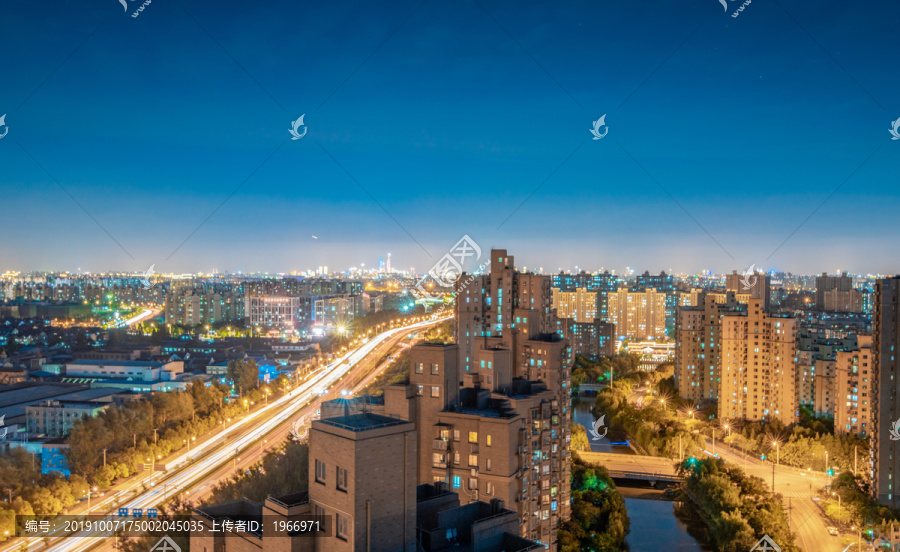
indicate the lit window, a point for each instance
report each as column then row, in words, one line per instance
column 457, row 482
column 473, row 436
column 435, row 391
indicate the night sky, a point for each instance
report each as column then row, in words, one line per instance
column 163, row 139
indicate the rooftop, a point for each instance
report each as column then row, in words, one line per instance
column 135, row 363
column 363, row 422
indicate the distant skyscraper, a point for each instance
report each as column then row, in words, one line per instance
column 380, row 264
column 388, row 267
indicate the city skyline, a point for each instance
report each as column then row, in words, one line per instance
column 171, row 131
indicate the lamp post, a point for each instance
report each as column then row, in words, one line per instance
column 90, row 491
column 777, row 446
column 839, row 502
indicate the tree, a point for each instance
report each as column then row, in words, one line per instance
column 7, row 521
column 244, row 373
column 579, row 440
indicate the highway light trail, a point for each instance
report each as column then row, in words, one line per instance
column 278, row 412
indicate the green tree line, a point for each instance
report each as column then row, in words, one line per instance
column 738, row 509
column 150, row 428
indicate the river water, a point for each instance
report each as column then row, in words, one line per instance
column 654, row 526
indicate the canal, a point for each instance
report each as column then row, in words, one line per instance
column 654, row 523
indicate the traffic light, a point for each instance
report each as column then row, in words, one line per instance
column 830, row 472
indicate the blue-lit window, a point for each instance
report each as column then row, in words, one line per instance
column 482, row 364
column 456, row 482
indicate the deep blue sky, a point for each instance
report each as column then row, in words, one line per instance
column 150, row 123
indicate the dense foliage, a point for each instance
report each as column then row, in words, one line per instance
column 127, row 433
column 589, row 371
column 800, row 445
column 31, row 492
column 599, row 520
column 278, row 473
column 655, row 426
column 736, row 507
column 579, row 440
column 848, row 502
column 396, row 373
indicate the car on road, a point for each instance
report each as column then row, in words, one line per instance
column 832, row 531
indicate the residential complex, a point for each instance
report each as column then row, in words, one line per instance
column 638, row 314
column 482, row 424
column 739, row 355
column 579, row 305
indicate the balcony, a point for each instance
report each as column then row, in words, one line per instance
column 440, row 444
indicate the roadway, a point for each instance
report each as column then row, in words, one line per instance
column 797, row 490
column 630, row 462
column 207, row 458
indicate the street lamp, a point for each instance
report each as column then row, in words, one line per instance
column 839, row 502
column 777, row 446
column 89, row 492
